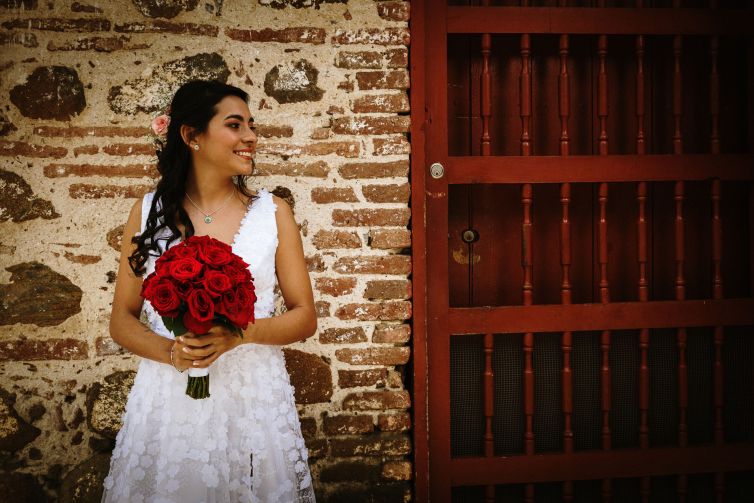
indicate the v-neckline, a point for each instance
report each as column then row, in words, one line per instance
column 244, row 220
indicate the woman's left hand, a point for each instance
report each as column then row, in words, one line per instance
column 207, row 348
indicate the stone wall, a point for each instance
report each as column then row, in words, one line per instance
column 328, row 81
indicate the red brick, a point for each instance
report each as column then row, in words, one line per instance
column 25, row 39
column 392, row 334
column 341, row 148
column 48, row 349
column 372, row 445
column 162, row 26
column 367, row 217
column 308, row 427
column 59, row 24
column 342, row 336
column 321, row 133
column 89, row 191
column 105, row 346
column 396, row 145
column 395, row 79
column 272, row 131
column 325, row 195
column 82, row 259
column 98, row 44
column 358, row 59
column 85, row 149
column 377, row 400
column 317, row 447
column 371, row 125
column 394, row 11
column 374, row 356
column 377, row 36
column 382, row 103
column 397, row 58
column 385, row 311
column 315, row 263
column 325, row 239
column 124, row 149
column 306, row 35
column 317, row 169
column 396, row 470
column 19, row 148
column 374, row 170
column 368, row 377
column 395, row 380
column 386, row 193
column 347, row 425
column 350, row 471
column 388, row 289
column 394, row 422
column 385, row 239
column 335, row 286
column 90, row 132
column 322, row 308
column 129, row 170
column 380, row 264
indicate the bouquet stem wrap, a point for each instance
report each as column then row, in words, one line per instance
column 196, row 285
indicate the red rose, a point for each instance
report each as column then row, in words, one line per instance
column 184, row 288
column 181, row 250
column 234, row 307
column 215, row 253
column 200, row 305
column 185, row 269
column 237, row 274
column 216, row 283
column 164, row 298
column 195, row 326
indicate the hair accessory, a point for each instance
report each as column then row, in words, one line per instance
column 160, row 124
column 208, row 216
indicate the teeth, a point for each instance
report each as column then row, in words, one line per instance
column 243, row 154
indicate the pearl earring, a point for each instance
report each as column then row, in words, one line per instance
column 196, row 146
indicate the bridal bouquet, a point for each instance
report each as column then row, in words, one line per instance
column 196, row 284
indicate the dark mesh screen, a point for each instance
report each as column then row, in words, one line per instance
column 624, row 383
column 508, row 420
column 739, row 398
column 663, row 387
column 466, row 401
column 700, row 359
column 585, row 369
column 548, row 405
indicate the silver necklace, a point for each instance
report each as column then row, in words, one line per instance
column 208, row 216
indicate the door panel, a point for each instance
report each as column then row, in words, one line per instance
column 589, row 252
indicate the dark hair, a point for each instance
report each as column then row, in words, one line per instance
column 194, row 104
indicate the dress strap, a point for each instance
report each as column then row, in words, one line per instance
column 146, row 205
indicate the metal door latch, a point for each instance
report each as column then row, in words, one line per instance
column 437, row 170
column 470, row 236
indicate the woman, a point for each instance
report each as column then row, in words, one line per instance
column 243, row 443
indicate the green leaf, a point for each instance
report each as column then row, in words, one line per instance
column 175, row 325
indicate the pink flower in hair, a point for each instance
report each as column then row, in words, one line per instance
column 160, row 124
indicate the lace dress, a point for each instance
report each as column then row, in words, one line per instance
column 244, row 442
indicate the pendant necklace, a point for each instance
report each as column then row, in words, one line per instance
column 208, row 216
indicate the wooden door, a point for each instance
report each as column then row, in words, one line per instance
column 583, row 219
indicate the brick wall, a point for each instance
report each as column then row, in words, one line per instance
column 328, row 81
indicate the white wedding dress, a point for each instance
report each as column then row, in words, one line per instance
column 244, row 442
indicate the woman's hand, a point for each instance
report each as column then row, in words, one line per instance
column 200, row 351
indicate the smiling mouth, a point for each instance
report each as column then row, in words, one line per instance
column 246, row 157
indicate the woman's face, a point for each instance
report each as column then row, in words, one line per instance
column 229, row 141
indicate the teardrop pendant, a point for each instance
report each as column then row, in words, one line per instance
column 208, row 219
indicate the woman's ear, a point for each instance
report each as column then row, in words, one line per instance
column 187, row 134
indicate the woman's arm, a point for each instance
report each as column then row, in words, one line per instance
column 300, row 320
column 125, row 328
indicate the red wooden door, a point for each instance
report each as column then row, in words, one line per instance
column 583, row 205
